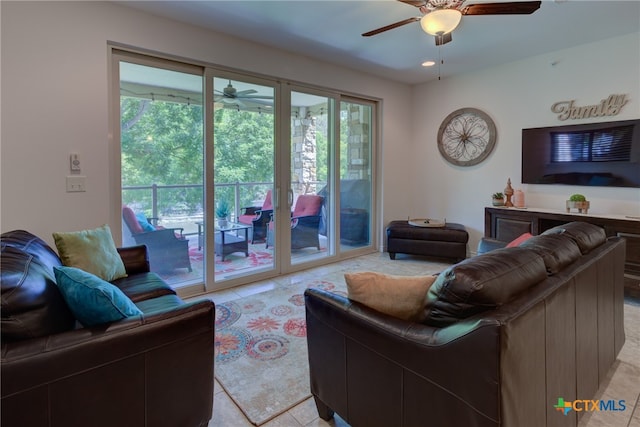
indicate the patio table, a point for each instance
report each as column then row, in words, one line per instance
column 234, row 237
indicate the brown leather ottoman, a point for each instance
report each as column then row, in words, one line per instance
column 449, row 241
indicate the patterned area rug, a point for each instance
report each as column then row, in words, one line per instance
column 258, row 257
column 261, row 350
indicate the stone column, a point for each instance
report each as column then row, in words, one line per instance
column 303, row 151
column 358, row 150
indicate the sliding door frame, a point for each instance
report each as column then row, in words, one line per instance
column 215, row 72
column 115, row 146
column 282, row 100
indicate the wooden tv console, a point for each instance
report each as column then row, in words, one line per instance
column 505, row 224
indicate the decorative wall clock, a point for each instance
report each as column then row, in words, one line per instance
column 466, row 137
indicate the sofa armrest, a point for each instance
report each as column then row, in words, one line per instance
column 75, row 351
column 156, row 367
column 135, row 259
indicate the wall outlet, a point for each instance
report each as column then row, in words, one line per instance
column 76, row 184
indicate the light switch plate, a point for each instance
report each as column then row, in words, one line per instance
column 74, row 162
column 76, row 184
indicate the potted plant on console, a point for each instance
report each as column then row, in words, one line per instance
column 578, row 201
column 497, row 199
column 222, row 213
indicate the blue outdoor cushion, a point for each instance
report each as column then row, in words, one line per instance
column 144, row 222
column 92, row 300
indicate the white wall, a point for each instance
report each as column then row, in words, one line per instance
column 516, row 96
column 55, row 101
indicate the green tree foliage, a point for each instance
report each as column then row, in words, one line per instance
column 162, row 144
column 243, row 152
column 243, row 146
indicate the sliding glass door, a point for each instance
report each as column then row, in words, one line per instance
column 161, row 165
column 356, row 177
column 244, row 144
column 229, row 178
column 310, row 195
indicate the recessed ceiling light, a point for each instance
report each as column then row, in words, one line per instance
column 428, row 63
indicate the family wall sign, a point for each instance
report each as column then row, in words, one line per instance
column 610, row 106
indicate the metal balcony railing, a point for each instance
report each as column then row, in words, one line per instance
column 242, row 191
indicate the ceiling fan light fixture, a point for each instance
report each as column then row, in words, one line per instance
column 440, row 21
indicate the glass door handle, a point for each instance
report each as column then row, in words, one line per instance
column 290, row 197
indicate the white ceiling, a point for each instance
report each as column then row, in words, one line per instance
column 331, row 30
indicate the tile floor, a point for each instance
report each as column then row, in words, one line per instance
column 623, row 380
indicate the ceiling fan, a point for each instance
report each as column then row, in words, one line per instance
column 440, row 17
column 231, row 95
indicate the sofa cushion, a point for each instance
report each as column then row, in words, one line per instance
column 587, row 236
column 32, row 306
column 130, row 219
column 92, row 300
column 267, row 205
column 93, row 251
column 160, row 304
column 143, row 286
column 398, row 296
column 32, row 245
column 557, row 250
column 307, row 205
column 480, row 283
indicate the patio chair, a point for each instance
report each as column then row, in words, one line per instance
column 168, row 248
column 258, row 217
column 305, row 222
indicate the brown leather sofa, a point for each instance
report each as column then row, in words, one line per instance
column 150, row 370
column 505, row 334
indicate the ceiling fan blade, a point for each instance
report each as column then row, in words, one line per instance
column 416, row 3
column 226, row 100
column 246, row 92
column 256, row 97
column 443, row 39
column 511, row 8
column 391, row 26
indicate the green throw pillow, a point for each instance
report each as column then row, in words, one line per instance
column 92, row 300
column 93, row 251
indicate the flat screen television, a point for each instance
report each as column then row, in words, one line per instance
column 605, row 154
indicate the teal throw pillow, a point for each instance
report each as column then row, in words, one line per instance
column 144, row 222
column 92, row 300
